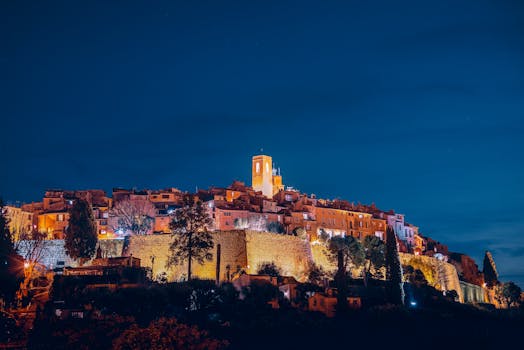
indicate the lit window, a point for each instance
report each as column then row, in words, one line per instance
column 257, row 167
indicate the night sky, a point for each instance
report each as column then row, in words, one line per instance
column 417, row 106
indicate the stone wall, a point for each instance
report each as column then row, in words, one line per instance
column 443, row 275
column 292, row 254
column 53, row 251
column 247, row 250
column 233, row 253
column 472, row 293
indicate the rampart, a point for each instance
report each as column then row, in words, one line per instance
column 247, row 250
column 439, row 274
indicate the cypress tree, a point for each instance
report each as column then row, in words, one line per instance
column 11, row 264
column 81, row 236
column 393, row 269
column 6, row 239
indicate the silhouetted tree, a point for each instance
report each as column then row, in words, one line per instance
column 269, row 268
column 11, row 264
column 316, row 274
column 508, row 293
column 191, row 240
column 81, row 235
column 393, row 268
column 6, row 238
column 351, row 248
column 375, row 255
column 414, row 276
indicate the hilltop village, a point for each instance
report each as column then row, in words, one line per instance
column 270, row 257
column 267, row 206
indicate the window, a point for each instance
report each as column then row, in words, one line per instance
column 105, row 215
column 227, row 213
column 267, row 167
column 60, row 217
column 257, row 168
column 360, row 223
column 165, row 196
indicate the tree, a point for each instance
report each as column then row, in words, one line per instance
column 508, row 293
column 414, row 276
column 393, row 268
column 166, row 333
column 6, row 238
column 269, row 268
column 352, row 251
column 31, row 246
column 316, row 275
column 11, row 264
column 375, row 255
column 81, row 236
column 132, row 216
column 191, row 240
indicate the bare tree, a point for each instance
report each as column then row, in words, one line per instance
column 20, row 223
column 31, row 246
column 132, row 216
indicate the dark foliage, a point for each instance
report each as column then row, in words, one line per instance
column 11, row 264
column 81, row 235
column 393, row 268
column 191, row 240
column 269, row 268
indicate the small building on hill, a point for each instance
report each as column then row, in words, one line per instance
column 326, row 302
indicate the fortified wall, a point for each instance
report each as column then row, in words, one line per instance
column 439, row 274
column 232, row 243
column 53, row 252
column 239, row 249
column 247, row 250
column 473, row 293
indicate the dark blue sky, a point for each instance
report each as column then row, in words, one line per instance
column 417, row 106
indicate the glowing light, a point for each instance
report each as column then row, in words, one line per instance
column 26, row 265
column 413, row 303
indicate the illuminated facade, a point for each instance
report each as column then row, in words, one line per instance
column 264, row 178
column 262, row 175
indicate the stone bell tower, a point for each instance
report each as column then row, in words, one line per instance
column 262, row 175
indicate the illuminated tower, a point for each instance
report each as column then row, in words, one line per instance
column 277, row 181
column 262, row 175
